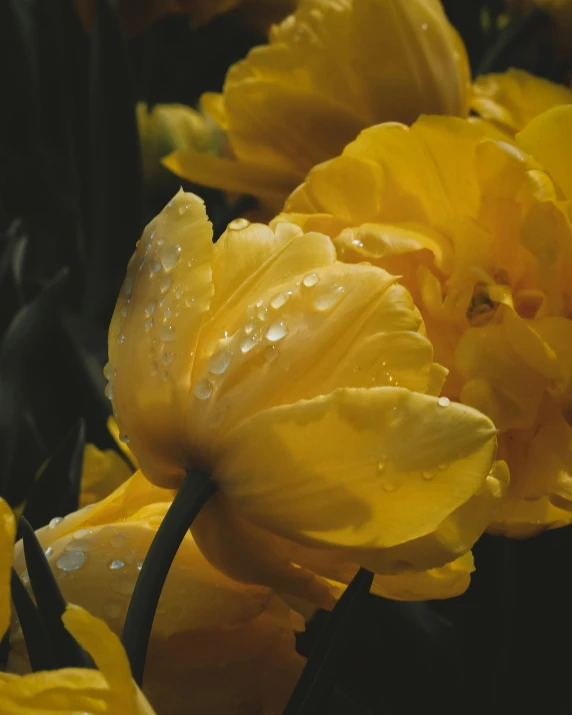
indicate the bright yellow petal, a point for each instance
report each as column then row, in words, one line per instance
column 167, row 290
column 549, row 139
column 367, row 469
column 102, row 472
column 114, row 431
column 7, row 534
column 515, row 97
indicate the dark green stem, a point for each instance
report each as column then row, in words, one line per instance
column 193, row 494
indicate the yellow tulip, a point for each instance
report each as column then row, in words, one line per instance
column 217, row 646
column 107, row 691
column 514, row 98
column 331, row 69
column 307, row 388
column 480, row 232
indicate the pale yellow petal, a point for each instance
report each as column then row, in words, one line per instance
column 515, row 97
column 167, row 290
column 549, row 139
column 368, row 469
column 102, row 472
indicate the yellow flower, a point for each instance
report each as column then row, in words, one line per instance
column 107, row 691
column 170, row 127
column 306, row 387
column 331, row 69
column 514, row 98
column 480, row 233
column 217, row 646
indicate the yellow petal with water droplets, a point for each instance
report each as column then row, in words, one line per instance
column 7, row 534
column 515, row 97
column 348, row 468
column 302, row 339
column 166, row 292
column 549, row 139
column 114, row 431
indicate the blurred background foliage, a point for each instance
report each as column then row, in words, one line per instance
column 72, row 205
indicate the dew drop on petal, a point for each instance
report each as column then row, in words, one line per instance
column 124, row 438
column 239, row 224
column 280, row 299
column 166, row 284
column 259, row 303
column 149, row 323
column 443, row 402
column 82, row 533
column 120, row 337
column 249, row 327
column 109, row 391
column 219, row 362
column 139, row 565
column 310, row 280
column 128, row 285
column 262, row 314
column 189, row 300
column 116, row 564
column 203, row 389
column 381, row 464
column 329, row 300
column 150, row 308
column 124, row 586
column 170, row 257
column 113, row 609
column 25, row 578
column 71, row 560
column 428, row 475
column 48, row 552
column 118, row 540
column 277, row 331
column 80, row 545
column 154, row 368
column 247, row 344
column 124, row 311
column 167, row 358
column 155, row 267
column 55, row 521
column 389, row 484
column 166, row 333
column 107, row 371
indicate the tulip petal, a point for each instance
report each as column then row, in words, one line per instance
column 549, row 139
column 515, row 97
column 162, row 300
column 7, row 534
column 357, row 468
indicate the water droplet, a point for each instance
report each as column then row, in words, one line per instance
column 155, row 267
column 170, row 202
column 443, row 402
column 80, row 545
column 55, row 521
column 167, row 358
column 219, row 362
column 82, row 533
column 381, row 465
column 259, row 303
column 124, row 438
column 165, row 375
column 166, row 333
column 328, row 300
column 109, row 391
column 124, row 586
column 160, row 241
column 107, row 370
column 389, row 484
column 118, row 540
column 128, row 285
column 48, row 552
column 249, row 327
column 116, row 564
column 71, row 560
column 424, row 26
column 112, row 609
column 262, row 314
column 139, row 565
column 203, row 389
column 170, row 257
column 124, row 311
column 149, row 310
column 247, row 344
column 154, row 368
column 310, row 280
column 149, row 323
column 277, row 331
column 357, row 243
column 25, row 577
column 428, row 476
column 238, row 224
column 189, row 300
column 280, row 299
column 167, row 314
column 166, row 284
column 120, row 337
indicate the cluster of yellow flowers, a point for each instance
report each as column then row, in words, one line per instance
column 373, row 378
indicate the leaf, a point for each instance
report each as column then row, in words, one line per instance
column 320, row 671
column 21, row 455
column 51, row 604
column 56, row 491
column 115, row 206
column 33, row 629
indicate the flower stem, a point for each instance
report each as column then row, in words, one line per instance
column 193, row 494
